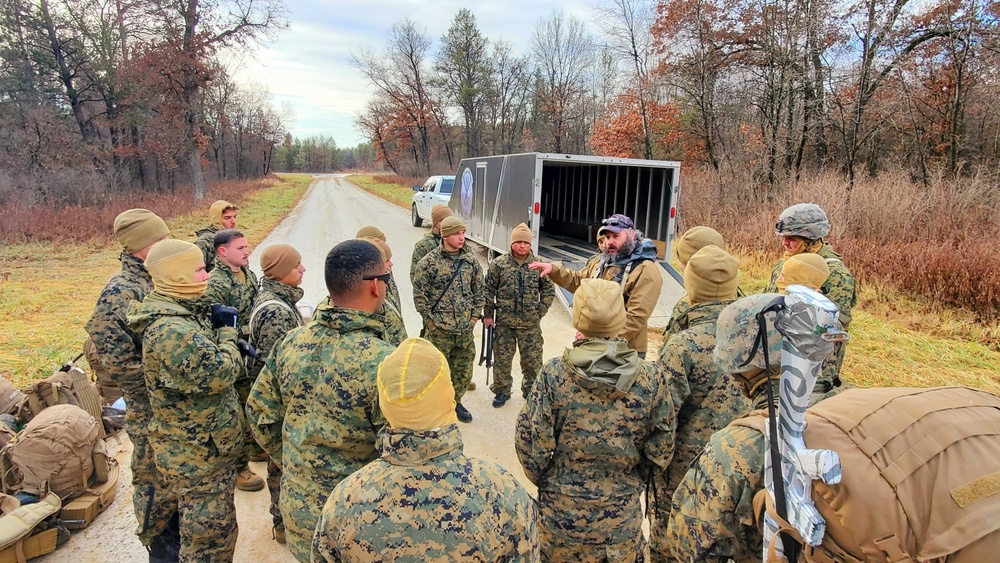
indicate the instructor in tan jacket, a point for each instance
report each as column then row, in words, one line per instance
column 627, row 258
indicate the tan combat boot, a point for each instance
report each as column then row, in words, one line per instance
column 249, row 481
column 278, row 531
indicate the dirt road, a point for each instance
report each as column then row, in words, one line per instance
column 333, row 210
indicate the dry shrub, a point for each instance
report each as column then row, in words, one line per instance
column 81, row 223
column 933, row 240
column 405, row 181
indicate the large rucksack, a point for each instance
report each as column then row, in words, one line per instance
column 60, row 451
column 11, row 398
column 920, row 474
column 67, row 386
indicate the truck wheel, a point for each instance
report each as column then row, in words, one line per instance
column 415, row 217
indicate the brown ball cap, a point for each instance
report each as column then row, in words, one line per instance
column 136, row 229
column 278, row 260
column 599, row 308
column 451, row 225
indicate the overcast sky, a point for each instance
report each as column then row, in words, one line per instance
column 307, row 67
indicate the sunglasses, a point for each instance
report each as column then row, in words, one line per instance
column 616, row 222
column 384, row 277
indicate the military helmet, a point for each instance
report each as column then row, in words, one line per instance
column 736, row 347
column 806, row 220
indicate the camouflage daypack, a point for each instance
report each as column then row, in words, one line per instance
column 59, row 451
column 67, row 386
column 920, row 475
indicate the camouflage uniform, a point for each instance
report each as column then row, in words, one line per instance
column 197, row 426
column 840, row 288
column 313, row 407
column 429, row 242
column 678, row 319
column 270, row 322
column 423, row 500
column 706, row 398
column 392, row 312
column 641, row 288
column 206, row 242
column 119, row 351
column 589, row 447
column 452, row 316
column 516, row 299
column 225, row 288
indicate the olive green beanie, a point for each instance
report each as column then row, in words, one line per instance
column 598, row 308
column 451, row 225
column 439, row 212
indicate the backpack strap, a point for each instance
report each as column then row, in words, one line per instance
column 257, row 309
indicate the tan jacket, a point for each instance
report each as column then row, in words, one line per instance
column 641, row 291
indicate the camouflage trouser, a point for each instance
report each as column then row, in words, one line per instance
column 274, row 488
column 528, row 341
column 301, row 510
column 208, row 518
column 460, row 350
column 243, row 387
column 151, row 493
column 686, row 449
column 605, row 531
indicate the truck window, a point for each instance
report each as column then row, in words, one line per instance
column 446, row 185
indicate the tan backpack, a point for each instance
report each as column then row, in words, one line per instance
column 60, row 451
column 921, row 475
column 109, row 389
column 11, row 397
column 67, row 386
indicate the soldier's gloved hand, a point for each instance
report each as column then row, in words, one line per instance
column 223, row 315
column 246, row 348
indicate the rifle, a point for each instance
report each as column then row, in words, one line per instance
column 486, row 354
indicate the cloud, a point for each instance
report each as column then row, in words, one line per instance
column 308, row 66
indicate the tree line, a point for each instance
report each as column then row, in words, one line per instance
column 758, row 92
column 99, row 97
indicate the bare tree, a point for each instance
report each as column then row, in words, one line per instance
column 562, row 51
column 626, row 24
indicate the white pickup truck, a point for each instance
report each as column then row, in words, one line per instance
column 437, row 189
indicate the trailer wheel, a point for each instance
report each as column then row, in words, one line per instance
column 415, row 217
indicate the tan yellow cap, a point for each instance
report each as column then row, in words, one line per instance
column 414, row 387
column 693, row 240
column 172, row 264
column 217, row 209
column 599, row 308
column 810, row 270
column 521, row 233
column 711, row 275
column 439, row 212
column 371, row 231
column 136, row 229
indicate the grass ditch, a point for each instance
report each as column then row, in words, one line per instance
column 898, row 338
column 48, row 288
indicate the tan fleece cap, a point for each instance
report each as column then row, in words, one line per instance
column 371, row 231
column 599, row 308
column 383, row 247
column 172, row 264
column 693, row 240
column 451, row 225
column 711, row 275
column 521, row 233
column 439, row 212
column 136, row 229
column 414, row 387
column 217, row 209
column 810, row 270
column 278, row 260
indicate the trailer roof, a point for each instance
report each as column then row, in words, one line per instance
column 594, row 159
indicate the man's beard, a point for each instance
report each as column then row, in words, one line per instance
column 624, row 251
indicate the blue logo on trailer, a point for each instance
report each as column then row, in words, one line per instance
column 467, row 193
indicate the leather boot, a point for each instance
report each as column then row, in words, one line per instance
column 249, row 481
